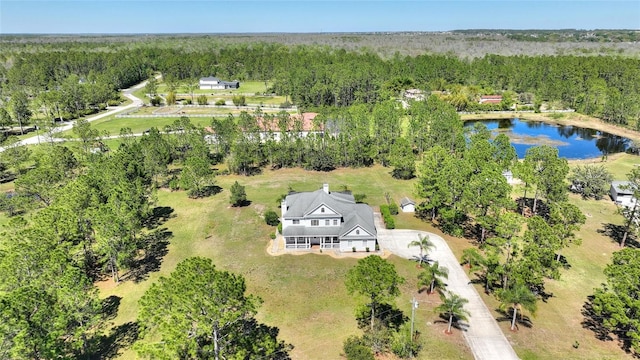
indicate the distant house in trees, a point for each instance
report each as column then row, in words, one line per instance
column 407, row 205
column 415, row 94
column 300, row 123
column 329, row 220
column 213, row 83
column 508, row 175
column 490, row 99
column 622, row 193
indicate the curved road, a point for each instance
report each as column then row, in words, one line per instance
column 483, row 335
column 128, row 93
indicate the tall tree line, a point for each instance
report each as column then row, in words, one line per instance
column 321, row 76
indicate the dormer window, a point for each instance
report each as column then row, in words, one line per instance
column 321, row 210
column 357, row 232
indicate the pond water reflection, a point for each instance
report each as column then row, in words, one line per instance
column 573, row 142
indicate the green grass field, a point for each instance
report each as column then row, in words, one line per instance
column 304, row 295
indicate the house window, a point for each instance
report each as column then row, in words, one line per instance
column 335, row 222
column 296, row 222
column 357, row 232
column 321, row 210
column 327, row 222
column 315, row 222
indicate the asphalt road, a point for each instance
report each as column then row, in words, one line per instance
column 128, row 93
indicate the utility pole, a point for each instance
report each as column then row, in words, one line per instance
column 414, row 306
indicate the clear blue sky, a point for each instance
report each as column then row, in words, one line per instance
column 177, row 16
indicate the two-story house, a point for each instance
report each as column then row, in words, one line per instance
column 329, row 220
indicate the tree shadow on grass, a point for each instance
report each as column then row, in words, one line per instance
column 159, row 215
column 110, row 307
column 110, row 345
column 507, row 316
column 616, row 233
column 386, row 314
column 457, row 323
column 593, row 321
column 205, row 191
column 244, row 203
column 154, row 246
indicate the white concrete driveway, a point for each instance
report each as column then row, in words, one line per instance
column 484, row 337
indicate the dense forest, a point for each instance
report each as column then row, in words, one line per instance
column 93, row 214
column 66, row 84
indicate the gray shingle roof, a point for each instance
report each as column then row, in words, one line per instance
column 406, row 201
column 300, row 205
column 621, row 187
column 361, row 215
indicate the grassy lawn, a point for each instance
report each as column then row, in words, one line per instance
column 304, row 295
column 112, row 125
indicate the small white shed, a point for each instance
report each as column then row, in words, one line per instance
column 407, row 205
column 622, row 193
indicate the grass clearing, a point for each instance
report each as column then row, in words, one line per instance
column 304, row 295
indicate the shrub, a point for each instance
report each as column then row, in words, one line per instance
column 403, row 345
column 238, row 195
column 188, row 101
column 171, row 98
column 355, row 349
column 202, row 100
column 174, row 184
column 280, row 228
column 272, row 236
column 359, row 198
column 220, row 102
column 239, row 100
column 389, row 222
column 393, row 208
column 155, row 101
column 271, row 218
column 386, row 216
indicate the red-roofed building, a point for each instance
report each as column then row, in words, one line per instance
column 490, row 99
column 303, row 123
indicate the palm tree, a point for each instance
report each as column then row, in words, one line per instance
column 424, row 244
column 453, row 306
column 432, row 277
column 519, row 297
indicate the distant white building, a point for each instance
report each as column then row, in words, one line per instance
column 213, row 83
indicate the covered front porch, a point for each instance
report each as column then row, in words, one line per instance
column 307, row 242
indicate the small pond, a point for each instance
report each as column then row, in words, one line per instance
column 572, row 142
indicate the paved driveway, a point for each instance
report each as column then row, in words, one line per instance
column 484, row 337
